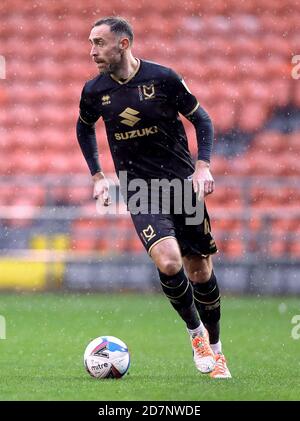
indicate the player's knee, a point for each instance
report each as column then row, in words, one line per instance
column 199, row 269
column 177, row 288
column 167, row 257
column 207, row 299
column 200, row 275
column 170, row 266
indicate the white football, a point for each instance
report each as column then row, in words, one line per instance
column 106, row 357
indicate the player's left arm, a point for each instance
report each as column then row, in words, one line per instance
column 203, row 181
column 187, row 104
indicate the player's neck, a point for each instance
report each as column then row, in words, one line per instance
column 128, row 67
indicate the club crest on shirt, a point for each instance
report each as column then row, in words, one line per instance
column 148, row 233
column 146, row 92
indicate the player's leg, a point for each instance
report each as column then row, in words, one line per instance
column 207, row 299
column 197, row 245
column 206, row 294
column 157, row 234
column 167, row 258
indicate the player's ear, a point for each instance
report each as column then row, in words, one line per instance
column 124, row 43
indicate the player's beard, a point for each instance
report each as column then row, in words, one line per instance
column 107, row 70
column 113, row 67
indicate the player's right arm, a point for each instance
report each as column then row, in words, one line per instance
column 86, row 136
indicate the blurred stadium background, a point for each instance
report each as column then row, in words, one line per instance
column 235, row 55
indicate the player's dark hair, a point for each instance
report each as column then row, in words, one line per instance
column 118, row 25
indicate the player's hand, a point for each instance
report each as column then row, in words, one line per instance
column 203, row 181
column 101, row 188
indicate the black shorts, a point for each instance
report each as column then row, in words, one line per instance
column 192, row 239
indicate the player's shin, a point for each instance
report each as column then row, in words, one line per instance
column 208, row 303
column 179, row 291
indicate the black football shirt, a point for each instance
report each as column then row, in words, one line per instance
column 141, row 115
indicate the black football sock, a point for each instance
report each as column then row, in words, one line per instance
column 180, row 293
column 208, row 302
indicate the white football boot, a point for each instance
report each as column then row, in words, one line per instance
column 221, row 370
column 204, row 357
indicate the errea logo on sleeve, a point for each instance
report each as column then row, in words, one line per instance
column 106, row 100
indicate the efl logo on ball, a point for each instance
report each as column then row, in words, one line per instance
column 107, row 357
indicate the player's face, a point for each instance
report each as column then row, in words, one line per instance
column 106, row 49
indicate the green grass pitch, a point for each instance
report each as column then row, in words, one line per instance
column 46, row 334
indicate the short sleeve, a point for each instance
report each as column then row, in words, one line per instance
column 184, row 100
column 89, row 108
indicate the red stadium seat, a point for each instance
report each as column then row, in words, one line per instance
column 269, row 142
column 220, row 165
column 77, row 195
column 27, row 162
column 223, row 115
column 282, row 94
column 294, row 248
column 5, row 195
column 296, row 92
column 6, row 166
column 221, row 197
column 255, row 91
column 293, row 143
column 83, row 244
column 278, row 247
column 289, row 164
column 57, row 163
column 29, row 195
column 234, row 248
column 84, row 235
column 252, row 116
column 79, row 165
column 134, row 243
